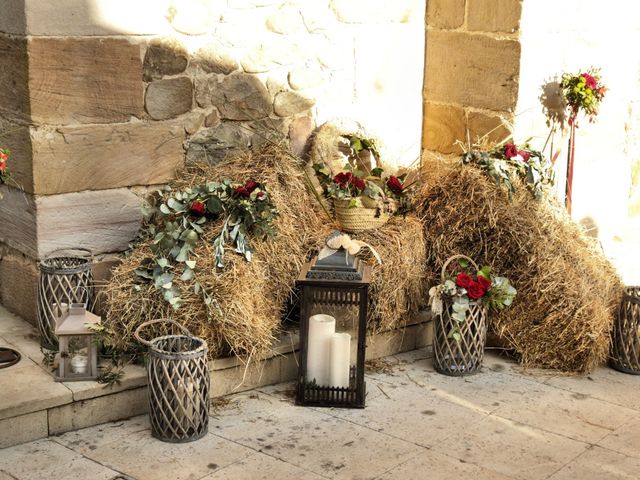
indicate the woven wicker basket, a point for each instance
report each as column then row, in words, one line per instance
column 625, row 341
column 464, row 357
column 178, row 376
column 357, row 219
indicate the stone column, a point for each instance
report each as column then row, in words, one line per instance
column 471, row 71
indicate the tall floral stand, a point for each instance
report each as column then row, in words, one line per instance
column 464, row 356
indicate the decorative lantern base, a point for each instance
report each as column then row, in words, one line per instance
column 312, row 395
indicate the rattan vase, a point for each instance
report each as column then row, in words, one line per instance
column 358, row 219
column 463, row 357
column 178, row 379
column 625, row 342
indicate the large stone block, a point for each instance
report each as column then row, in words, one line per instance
column 13, row 19
column 489, row 126
column 164, row 56
column 241, row 97
column 472, row 70
column 102, row 221
column 494, row 15
column 24, row 428
column 443, row 126
column 96, row 157
column 18, row 221
column 169, row 98
column 84, row 80
column 445, row 14
column 19, row 285
column 14, row 74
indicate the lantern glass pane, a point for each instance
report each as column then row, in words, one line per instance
column 332, row 347
column 77, row 356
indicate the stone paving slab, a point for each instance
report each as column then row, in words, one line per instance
column 500, row 424
column 48, row 460
column 600, row 464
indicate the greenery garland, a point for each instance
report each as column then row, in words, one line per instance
column 175, row 221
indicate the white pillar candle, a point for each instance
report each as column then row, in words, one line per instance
column 321, row 328
column 79, row 364
column 340, row 360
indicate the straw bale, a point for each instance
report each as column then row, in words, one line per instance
column 568, row 291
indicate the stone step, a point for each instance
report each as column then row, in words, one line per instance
column 33, row 405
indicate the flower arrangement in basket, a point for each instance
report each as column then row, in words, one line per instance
column 363, row 197
column 460, row 303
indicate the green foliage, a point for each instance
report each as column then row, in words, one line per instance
column 358, row 144
column 534, row 171
column 176, row 220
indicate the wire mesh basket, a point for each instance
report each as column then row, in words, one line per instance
column 625, row 342
column 464, row 356
column 178, row 380
column 65, row 278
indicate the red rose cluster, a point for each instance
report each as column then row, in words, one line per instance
column 510, row 151
column 4, row 156
column 246, row 190
column 590, row 81
column 395, row 185
column 198, row 208
column 344, row 179
column 475, row 288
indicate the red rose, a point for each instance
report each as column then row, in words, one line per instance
column 251, row 185
column 590, row 81
column 358, row 183
column 485, row 283
column 198, row 208
column 525, row 155
column 395, row 185
column 261, row 196
column 242, row 192
column 475, row 291
column 342, row 179
column 463, row 280
column 510, row 150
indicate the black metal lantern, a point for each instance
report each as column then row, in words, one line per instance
column 333, row 328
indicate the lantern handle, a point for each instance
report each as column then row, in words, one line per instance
column 451, row 259
column 153, row 322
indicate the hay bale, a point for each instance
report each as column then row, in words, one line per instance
column 567, row 290
column 250, row 298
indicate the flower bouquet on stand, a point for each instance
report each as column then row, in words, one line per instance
column 460, row 304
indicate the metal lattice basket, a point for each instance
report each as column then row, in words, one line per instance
column 464, row 357
column 65, row 277
column 625, row 342
column 178, row 379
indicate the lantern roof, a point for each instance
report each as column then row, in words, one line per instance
column 75, row 319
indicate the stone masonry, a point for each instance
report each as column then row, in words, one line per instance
column 98, row 103
column 471, row 71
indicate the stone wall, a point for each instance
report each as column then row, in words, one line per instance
column 100, row 99
column 471, row 72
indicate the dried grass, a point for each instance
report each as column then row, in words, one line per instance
column 251, row 298
column 567, row 290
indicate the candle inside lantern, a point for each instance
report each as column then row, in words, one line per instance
column 79, row 364
column 340, row 360
column 321, row 328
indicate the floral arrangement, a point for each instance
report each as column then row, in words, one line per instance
column 4, row 171
column 364, row 188
column 496, row 293
column 583, row 92
column 175, row 221
column 504, row 162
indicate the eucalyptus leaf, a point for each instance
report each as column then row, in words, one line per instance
column 164, row 209
column 191, row 264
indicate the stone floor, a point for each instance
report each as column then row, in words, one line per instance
column 500, row 424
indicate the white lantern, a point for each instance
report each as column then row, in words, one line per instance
column 78, row 350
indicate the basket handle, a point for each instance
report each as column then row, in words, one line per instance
column 152, row 322
column 451, row 259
